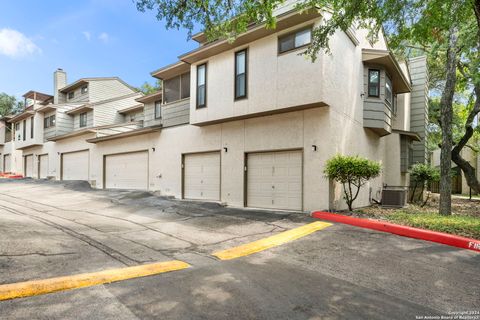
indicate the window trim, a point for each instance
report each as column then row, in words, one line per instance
column 378, row 83
column 159, row 116
column 200, row 106
column 235, row 75
column 294, row 32
column 82, row 125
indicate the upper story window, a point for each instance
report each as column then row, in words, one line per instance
column 177, row 88
column 295, row 40
column 49, row 121
column 83, row 119
column 24, row 126
column 241, row 74
column 202, row 86
column 388, row 90
column 31, row 127
column 71, row 95
column 158, row 109
column 373, row 83
column 84, row 89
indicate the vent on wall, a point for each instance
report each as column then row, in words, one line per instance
column 395, row 198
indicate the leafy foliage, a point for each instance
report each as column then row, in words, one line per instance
column 421, row 174
column 9, row 105
column 147, row 88
column 352, row 172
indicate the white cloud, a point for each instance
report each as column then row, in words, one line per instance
column 15, row 44
column 104, row 37
column 87, row 35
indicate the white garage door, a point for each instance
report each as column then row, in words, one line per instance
column 274, row 180
column 7, row 163
column 43, row 166
column 202, row 176
column 127, row 171
column 75, row 165
column 28, row 166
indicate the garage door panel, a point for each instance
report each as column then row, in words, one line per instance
column 274, row 180
column 127, row 171
column 28, row 166
column 202, row 176
column 75, row 165
column 7, row 163
column 43, row 166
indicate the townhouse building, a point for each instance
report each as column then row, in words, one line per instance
column 41, row 144
column 253, row 122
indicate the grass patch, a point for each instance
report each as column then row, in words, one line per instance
column 467, row 226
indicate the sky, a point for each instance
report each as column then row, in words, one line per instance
column 88, row 38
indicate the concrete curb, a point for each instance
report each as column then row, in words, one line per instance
column 422, row 234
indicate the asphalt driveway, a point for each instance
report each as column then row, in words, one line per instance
column 50, row 229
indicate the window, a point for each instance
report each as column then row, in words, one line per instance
column 84, row 90
column 71, row 95
column 202, row 86
column 31, row 128
column 295, row 40
column 24, row 127
column 177, row 88
column 158, row 110
column 17, row 126
column 49, row 122
column 388, row 90
column 83, row 120
column 373, row 83
column 185, row 86
column 241, row 74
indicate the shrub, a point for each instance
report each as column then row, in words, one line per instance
column 352, row 172
column 422, row 173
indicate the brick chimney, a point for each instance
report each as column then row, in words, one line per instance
column 59, row 81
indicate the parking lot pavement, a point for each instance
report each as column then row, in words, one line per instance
column 51, row 229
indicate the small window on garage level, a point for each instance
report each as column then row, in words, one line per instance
column 83, row 119
column 373, row 83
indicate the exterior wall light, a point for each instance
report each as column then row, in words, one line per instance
column 314, row 147
column 153, row 149
column 225, row 149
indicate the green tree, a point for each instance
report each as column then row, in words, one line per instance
column 147, row 88
column 352, row 173
column 9, row 105
column 447, row 31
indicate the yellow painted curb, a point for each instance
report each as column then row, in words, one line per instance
column 266, row 243
column 37, row 287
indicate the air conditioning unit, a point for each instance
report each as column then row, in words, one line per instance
column 395, row 198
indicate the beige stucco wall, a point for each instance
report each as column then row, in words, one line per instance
column 279, row 81
column 16, row 157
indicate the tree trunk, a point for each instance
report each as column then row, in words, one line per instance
column 446, row 109
column 467, row 168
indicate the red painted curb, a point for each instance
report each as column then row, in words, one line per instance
column 440, row 237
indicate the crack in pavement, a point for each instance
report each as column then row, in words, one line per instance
column 114, row 254
column 43, row 254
